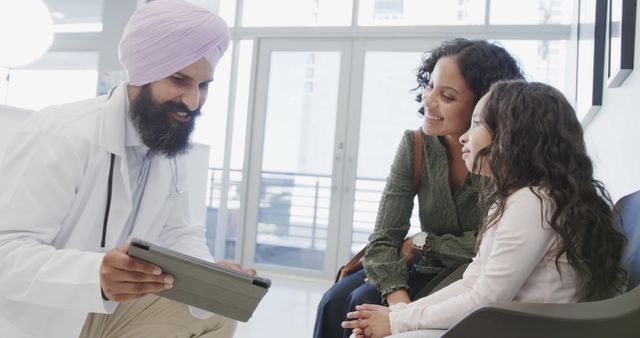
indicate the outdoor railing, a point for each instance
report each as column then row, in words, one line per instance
column 294, row 207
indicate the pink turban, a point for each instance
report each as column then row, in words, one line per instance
column 165, row 36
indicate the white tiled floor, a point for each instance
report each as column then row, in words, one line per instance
column 288, row 310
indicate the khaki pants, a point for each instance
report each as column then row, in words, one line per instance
column 154, row 316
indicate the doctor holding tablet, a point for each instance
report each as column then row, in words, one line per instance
column 79, row 180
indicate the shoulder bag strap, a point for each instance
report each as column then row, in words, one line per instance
column 417, row 164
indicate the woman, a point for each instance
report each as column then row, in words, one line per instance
column 452, row 78
column 548, row 236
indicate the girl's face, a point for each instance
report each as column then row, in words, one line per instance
column 448, row 101
column 475, row 139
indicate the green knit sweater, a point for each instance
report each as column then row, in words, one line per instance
column 451, row 219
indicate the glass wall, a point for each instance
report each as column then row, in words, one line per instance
column 55, row 78
column 225, row 173
column 531, row 12
column 421, row 12
column 300, row 13
column 387, row 109
column 543, row 61
column 297, row 158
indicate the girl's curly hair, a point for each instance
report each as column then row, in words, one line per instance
column 537, row 141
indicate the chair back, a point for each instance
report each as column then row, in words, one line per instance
column 628, row 208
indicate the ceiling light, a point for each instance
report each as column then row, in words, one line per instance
column 26, row 32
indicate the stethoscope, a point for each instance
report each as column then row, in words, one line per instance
column 178, row 188
column 106, row 209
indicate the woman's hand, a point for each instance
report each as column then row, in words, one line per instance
column 408, row 251
column 398, row 296
column 401, row 295
column 372, row 323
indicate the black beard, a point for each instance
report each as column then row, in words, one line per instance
column 153, row 123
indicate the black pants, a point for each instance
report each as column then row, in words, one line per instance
column 343, row 297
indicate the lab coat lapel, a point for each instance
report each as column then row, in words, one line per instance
column 112, row 138
column 154, row 196
column 112, row 133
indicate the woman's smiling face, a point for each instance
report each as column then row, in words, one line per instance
column 448, row 101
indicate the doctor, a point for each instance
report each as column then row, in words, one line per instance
column 79, row 180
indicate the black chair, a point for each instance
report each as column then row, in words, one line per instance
column 618, row 317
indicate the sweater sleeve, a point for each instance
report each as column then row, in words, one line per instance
column 452, row 250
column 522, row 238
column 385, row 266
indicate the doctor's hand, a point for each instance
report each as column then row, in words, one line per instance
column 124, row 278
column 235, row 266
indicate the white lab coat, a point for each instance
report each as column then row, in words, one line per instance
column 53, row 192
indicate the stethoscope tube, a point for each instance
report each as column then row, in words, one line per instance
column 109, row 188
column 106, row 210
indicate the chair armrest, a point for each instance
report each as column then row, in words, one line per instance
column 616, row 317
column 452, row 277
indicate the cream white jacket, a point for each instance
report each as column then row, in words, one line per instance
column 515, row 263
column 53, row 192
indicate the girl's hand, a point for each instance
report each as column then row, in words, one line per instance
column 372, row 307
column 370, row 324
column 359, row 333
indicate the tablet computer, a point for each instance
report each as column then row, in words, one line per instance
column 203, row 284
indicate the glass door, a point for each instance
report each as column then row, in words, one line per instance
column 326, row 122
column 383, row 106
column 297, row 146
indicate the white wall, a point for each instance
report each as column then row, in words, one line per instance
column 612, row 137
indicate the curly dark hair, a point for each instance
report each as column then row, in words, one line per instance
column 537, row 141
column 481, row 64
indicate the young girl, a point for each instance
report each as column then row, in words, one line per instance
column 548, row 236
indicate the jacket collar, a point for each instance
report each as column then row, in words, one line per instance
column 114, row 121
